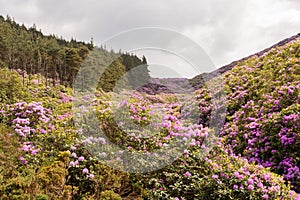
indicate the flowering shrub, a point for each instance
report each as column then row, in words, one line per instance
column 263, row 124
column 29, row 120
column 53, row 158
column 162, row 124
column 218, row 175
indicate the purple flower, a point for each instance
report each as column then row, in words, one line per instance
column 250, row 181
column 74, row 155
column 265, row 196
column 250, row 187
column 236, row 174
column 73, row 148
column 240, row 177
column 81, row 158
column 290, row 91
column 34, row 152
column 85, row 171
column 267, row 177
column 91, row 176
column 187, row 174
column 43, row 131
column 235, row 187
column 215, row 176
column 26, row 147
column 260, row 185
column 23, row 160
column 72, row 164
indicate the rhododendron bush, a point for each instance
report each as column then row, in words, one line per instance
column 265, row 126
column 51, row 149
column 219, row 175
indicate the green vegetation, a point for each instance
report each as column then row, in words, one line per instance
column 45, row 155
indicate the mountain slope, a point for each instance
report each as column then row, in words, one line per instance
column 197, row 81
column 263, row 109
column 51, row 146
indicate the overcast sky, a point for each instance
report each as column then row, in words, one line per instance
column 226, row 29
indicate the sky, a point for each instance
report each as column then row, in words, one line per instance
column 226, row 30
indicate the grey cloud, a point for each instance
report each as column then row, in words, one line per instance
column 226, row 29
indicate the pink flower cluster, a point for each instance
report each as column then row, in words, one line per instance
column 28, row 120
column 78, row 162
column 25, row 118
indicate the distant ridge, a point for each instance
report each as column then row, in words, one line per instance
column 279, row 44
column 197, row 81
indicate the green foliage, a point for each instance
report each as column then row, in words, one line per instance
column 110, row 195
column 16, row 181
column 51, row 179
column 112, row 74
column 41, row 197
column 11, row 88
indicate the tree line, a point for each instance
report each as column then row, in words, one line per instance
column 58, row 60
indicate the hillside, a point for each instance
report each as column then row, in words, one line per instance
column 262, row 122
column 197, row 81
column 135, row 145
